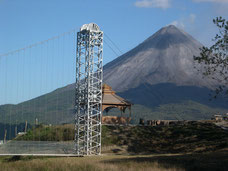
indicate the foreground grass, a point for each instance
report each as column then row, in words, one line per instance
column 206, row 161
column 103, row 163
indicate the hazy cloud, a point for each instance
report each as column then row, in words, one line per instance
column 177, row 23
column 183, row 22
column 219, row 6
column 164, row 4
column 216, row 1
column 192, row 18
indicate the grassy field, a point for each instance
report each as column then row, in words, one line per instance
column 171, row 162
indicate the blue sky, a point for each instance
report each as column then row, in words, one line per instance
column 126, row 22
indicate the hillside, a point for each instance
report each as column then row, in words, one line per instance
column 52, row 108
column 48, row 111
column 47, row 108
column 186, row 137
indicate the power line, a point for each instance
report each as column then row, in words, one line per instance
column 113, row 43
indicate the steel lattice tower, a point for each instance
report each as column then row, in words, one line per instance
column 88, row 97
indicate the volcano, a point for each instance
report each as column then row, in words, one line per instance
column 161, row 71
column 165, row 57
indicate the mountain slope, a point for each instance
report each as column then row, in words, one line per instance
column 55, row 107
column 165, row 57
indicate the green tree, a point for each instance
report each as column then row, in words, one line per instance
column 214, row 59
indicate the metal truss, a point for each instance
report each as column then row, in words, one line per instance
column 88, row 97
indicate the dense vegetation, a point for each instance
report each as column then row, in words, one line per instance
column 49, row 133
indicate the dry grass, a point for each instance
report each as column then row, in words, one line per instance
column 188, row 138
column 102, row 163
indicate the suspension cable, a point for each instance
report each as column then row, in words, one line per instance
column 111, row 48
column 113, row 43
column 38, row 43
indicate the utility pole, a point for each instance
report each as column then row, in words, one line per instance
column 26, row 126
column 5, row 135
column 15, row 130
